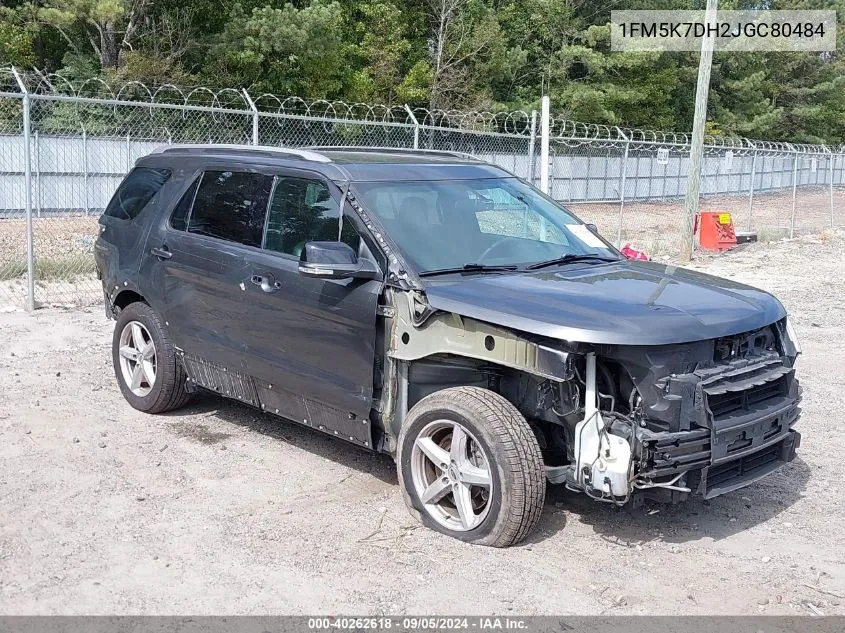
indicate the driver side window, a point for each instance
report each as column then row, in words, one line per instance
column 303, row 210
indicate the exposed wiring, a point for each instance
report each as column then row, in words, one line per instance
column 600, row 394
column 577, row 400
column 669, row 485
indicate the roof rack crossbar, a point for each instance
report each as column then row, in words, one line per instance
column 304, row 154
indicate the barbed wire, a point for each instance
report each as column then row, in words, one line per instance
column 515, row 123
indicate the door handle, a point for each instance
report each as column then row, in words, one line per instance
column 267, row 283
column 161, row 253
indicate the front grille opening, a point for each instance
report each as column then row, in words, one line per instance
column 766, row 391
column 730, row 348
column 723, row 473
column 725, row 403
column 732, row 401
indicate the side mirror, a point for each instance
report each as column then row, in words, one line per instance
column 334, row 260
column 593, row 228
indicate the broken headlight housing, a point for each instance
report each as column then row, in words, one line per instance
column 790, row 334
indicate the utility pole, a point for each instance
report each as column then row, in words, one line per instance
column 697, row 142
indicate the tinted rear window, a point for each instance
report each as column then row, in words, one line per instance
column 135, row 192
column 231, row 206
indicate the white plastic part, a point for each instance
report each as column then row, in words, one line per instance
column 610, row 471
column 602, row 460
column 790, row 332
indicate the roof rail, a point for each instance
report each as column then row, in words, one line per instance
column 213, row 147
column 394, row 150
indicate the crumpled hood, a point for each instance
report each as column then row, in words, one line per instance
column 623, row 303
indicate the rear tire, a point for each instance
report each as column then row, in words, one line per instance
column 489, row 487
column 148, row 370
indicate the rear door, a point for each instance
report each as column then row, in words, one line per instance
column 196, row 263
column 312, row 341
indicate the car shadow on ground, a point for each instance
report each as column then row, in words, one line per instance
column 628, row 526
column 691, row 520
column 302, row 437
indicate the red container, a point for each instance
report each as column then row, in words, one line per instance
column 716, row 230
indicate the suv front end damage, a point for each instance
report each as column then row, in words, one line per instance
column 719, row 415
column 701, row 418
column 619, row 423
column 436, row 308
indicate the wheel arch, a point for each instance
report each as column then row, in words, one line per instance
column 124, row 298
column 168, row 386
column 454, row 346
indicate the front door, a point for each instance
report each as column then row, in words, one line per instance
column 313, row 340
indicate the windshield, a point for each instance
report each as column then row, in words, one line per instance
column 447, row 224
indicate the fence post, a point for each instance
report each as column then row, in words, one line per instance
column 692, row 200
column 831, row 158
column 751, row 186
column 254, row 117
column 128, row 153
column 416, row 126
column 85, row 171
column 794, row 191
column 545, row 131
column 37, row 174
column 623, row 176
column 27, row 157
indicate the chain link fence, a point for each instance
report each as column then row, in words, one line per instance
column 65, row 147
column 632, row 184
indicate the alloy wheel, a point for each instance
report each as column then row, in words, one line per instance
column 137, row 358
column 452, row 475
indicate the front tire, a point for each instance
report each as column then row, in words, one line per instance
column 148, row 370
column 470, row 467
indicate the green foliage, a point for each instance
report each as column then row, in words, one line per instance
column 17, row 40
column 492, row 54
column 109, row 26
column 379, row 49
column 286, row 50
column 416, row 86
column 624, row 88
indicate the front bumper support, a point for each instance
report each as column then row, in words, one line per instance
column 741, row 415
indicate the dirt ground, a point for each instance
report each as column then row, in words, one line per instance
column 216, row 509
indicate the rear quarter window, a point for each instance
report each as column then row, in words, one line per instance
column 136, row 191
column 179, row 217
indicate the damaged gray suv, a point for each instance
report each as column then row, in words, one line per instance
column 434, row 307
